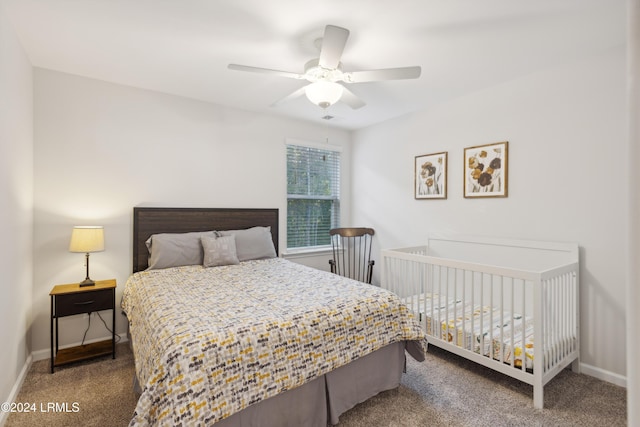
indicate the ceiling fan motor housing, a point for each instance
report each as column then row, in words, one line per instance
column 314, row 72
column 325, row 72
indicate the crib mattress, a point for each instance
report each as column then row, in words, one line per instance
column 482, row 329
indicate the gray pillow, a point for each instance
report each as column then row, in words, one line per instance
column 176, row 249
column 252, row 243
column 219, row 251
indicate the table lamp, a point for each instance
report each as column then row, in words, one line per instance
column 87, row 239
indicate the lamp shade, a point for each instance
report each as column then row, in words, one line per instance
column 323, row 93
column 87, row 239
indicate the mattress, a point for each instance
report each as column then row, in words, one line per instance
column 483, row 329
column 209, row 342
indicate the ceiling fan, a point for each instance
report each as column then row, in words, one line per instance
column 325, row 73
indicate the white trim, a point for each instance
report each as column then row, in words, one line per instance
column 337, row 176
column 311, row 144
column 632, row 341
column 586, row 369
column 603, row 375
column 307, row 252
column 34, row 357
column 569, row 247
column 46, row 353
column 16, row 387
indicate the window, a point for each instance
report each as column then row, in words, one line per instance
column 313, row 195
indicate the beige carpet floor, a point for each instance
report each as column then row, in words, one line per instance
column 445, row 390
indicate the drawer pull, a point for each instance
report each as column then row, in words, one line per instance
column 84, row 303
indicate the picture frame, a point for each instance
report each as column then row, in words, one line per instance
column 486, row 170
column 430, row 176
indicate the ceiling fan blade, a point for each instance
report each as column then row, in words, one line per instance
column 289, row 97
column 265, row 71
column 333, row 42
column 351, row 99
column 385, row 74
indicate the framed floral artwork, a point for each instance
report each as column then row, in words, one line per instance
column 485, row 170
column 430, row 176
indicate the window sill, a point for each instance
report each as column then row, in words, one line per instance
column 307, row 252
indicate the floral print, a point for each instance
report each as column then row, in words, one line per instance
column 485, row 169
column 431, row 176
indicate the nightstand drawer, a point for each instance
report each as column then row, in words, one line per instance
column 83, row 302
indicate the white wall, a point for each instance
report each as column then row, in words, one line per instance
column 101, row 149
column 633, row 283
column 566, row 129
column 16, row 203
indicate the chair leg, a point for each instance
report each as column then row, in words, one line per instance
column 370, row 271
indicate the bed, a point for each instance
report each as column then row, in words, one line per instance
column 245, row 338
column 510, row 305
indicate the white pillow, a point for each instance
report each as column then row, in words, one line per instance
column 219, row 251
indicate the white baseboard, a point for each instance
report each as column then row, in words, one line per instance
column 16, row 388
column 603, row 375
column 586, row 369
column 34, row 357
column 46, row 353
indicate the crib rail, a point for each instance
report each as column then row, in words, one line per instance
column 519, row 322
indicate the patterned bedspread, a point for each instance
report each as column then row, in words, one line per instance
column 209, row 342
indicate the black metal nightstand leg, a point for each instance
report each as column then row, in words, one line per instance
column 51, row 333
column 113, row 326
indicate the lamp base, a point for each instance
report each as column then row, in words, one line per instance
column 87, row 282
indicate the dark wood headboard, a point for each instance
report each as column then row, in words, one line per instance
column 148, row 221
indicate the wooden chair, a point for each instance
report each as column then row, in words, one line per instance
column 352, row 253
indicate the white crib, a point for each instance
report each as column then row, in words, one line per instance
column 489, row 300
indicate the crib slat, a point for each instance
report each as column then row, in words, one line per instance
column 492, row 338
column 480, row 335
column 523, row 335
column 512, row 322
column 455, row 298
column 502, row 319
column 550, row 297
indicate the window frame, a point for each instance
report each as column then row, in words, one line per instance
column 338, row 217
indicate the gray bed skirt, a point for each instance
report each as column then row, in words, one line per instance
column 322, row 401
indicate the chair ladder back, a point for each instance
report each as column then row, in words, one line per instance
column 352, row 253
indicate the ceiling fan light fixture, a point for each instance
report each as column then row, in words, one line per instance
column 324, row 72
column 324, row 93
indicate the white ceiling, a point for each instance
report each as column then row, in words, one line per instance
column 182, row 47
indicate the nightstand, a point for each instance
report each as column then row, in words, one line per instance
column 71, row 299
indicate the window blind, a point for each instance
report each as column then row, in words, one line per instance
column 313, row 195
